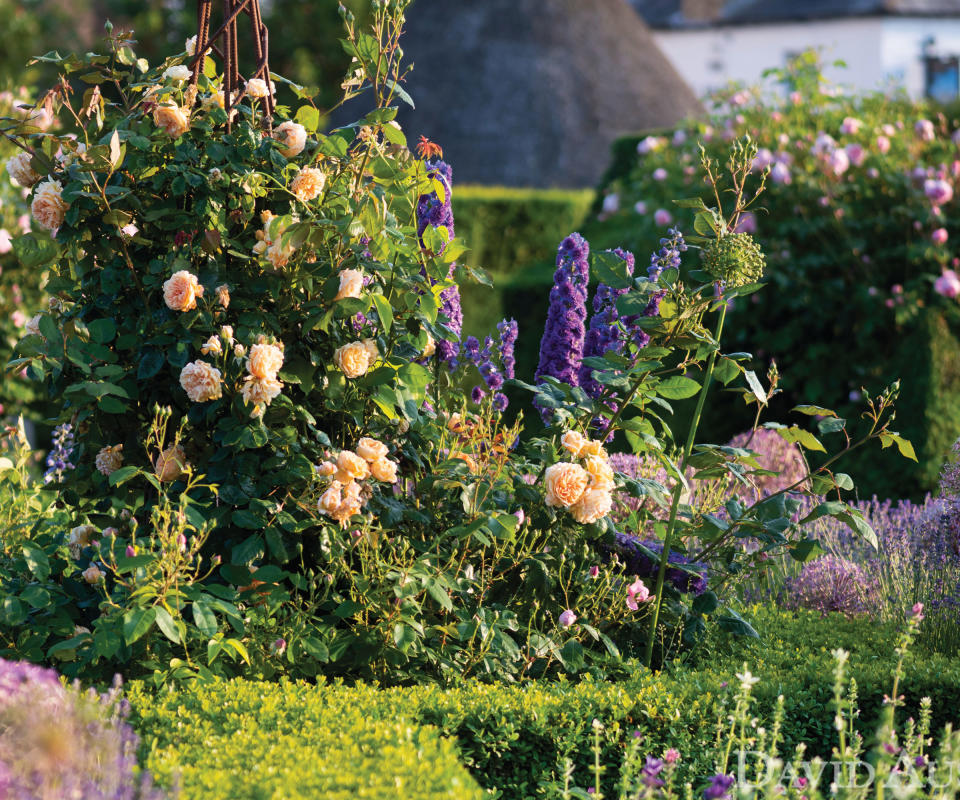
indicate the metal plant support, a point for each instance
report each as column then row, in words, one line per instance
column 226, row 49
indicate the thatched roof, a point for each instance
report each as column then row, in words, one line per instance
column 533, row 92
column 675, row 13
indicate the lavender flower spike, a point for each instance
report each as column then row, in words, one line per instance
column 561, row 348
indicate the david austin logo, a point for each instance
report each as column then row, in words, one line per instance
column 756, row 769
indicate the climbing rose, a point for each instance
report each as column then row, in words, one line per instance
column 593, row 504
column 573, row 442
column 181, row 290
column 170, row 463
column 351, row 284
column 948, row 284
column 92, row 574
column 371, row 449
column 292, row 137
column 259, row 392
column 567, row 618
column 264, row 361
column 174, row 120
column 307, row 184
column 200, row 381
column 109, row 459
column 352, row 359
column 351, row 467
column 257, row 88
column 383, row 469
column 178, row 73
column 20, row 170
column 48, row 206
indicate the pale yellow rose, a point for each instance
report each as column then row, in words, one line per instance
column 371, row 449
column 351, row 284
column 191, row 46
column 212, row 345
column 92, row 574
column 353, row 491
column 19, row 168
column 170, row 463
column 292, row 137
column 48, row 206
column 109, row 459
column 257, row 88
column 181, row 290
column 565, row 483
column 260, row 392
column 573, row 442
column 264, row 360
column 330, row 500
column 593, row 504
column 174, row 120
column 226, row 332
column 383, row 469
column 601, row 473
column 214, row 100
column 353, row 359
column 177, row 73
column 81, row 535
column 200, row 381
column 350, row 467
column 223, row 295
column 307, row 184
column 326, row 469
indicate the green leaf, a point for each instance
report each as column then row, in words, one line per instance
column 754, row 383
column 35, row 251
column 37, row 562
column 678, row 387
column 732, row 622
column 168, row 627
column 706, row 603
column 384, row 311
column 122, row 475
column 611, row 270
column 815, row 411
column 309, row 117
column 804, row 438
column 571, row 656
column 404, row 636
column 204, row 618
column 137, row 622
column 691, row 202
column 102, row 330
column 903, row 445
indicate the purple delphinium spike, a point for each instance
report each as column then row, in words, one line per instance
column 435, row 213
column 508, row 339
column 561, row 348
column 604, row 333
column 668, row 256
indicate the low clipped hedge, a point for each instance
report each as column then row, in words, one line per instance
column 253, row 737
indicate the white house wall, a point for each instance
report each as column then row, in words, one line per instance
column 878, row 51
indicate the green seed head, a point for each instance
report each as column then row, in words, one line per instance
column 736, row 259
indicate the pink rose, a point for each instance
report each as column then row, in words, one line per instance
column 948, row 284
column 662, row 217
column 939, row 236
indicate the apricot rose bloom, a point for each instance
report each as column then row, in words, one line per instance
column 593, row 504
column 48, row 206
column 307, row 184
column 292, row 137
column 351, row 284
column 92, row 574
column 172, row 119
column 350, row 467
column 370, row 345
column 212, row 345
column 259, row 392
column 201, row 382
column 264, row 361
column 353, row 359
column 565, row 483
column 601, row 473
column 592, row 447
column 326, row 469
column 181, row 290
column 223, row 295
column 19, row 168
column 109, row 459
column 383, row 469
column 371, row 449
column 170, row 463
column 573, row 442
column 330, row 500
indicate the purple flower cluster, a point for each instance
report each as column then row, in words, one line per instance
column 685, row 575
column 58, row 459
column 719, row 787
column 668, row 256
column 604, row 333
column 58, row 741
column 831, row 583
column 561, row 348
column 484, row 360
column 435, row 213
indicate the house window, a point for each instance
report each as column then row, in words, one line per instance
column 942, row 78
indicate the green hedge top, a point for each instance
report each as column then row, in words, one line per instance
column 245, row 736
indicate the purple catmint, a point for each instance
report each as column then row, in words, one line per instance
column 561, row 348
column 719, row 787
column 58, row 459
column 433, row 211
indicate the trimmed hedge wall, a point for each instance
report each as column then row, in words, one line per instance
column 242, row 740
